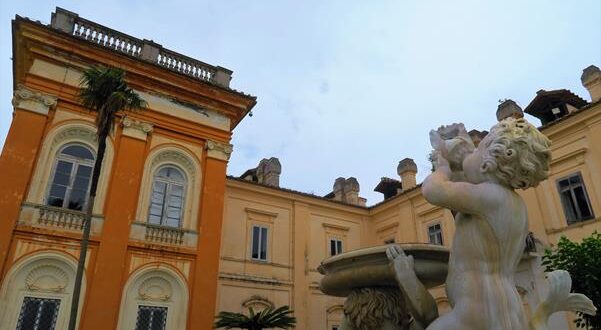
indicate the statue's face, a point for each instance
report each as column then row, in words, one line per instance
column 472, row 166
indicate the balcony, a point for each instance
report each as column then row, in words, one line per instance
column 51, row 217
column 145, row 50
column 163, row 235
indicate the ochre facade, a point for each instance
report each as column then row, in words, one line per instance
column 240, row 241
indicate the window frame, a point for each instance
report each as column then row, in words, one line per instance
column 578, row 216
column 435, row 233
column 169, row 185
column 263, row 237
column 75, row 163
column 338, row 246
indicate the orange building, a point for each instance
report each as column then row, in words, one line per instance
column 174, row 240
column 165, row 165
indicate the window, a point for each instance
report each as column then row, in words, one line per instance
column 259, row 243
column 389, row 241
column 38, row 314
column 574, row 199
column 151, row 318
column 71, row 181
column 167, row 197
column 335, row 327
column 435, row 234
column 335, row 246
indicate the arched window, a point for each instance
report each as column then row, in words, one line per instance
column 72, row 175
column 167, row 197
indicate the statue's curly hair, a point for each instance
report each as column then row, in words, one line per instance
column 367, row 308
column 517, row 153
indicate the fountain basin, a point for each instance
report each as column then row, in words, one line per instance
column 370, row 267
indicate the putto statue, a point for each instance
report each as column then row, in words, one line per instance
column 491, row 223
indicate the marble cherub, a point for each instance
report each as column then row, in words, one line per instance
column 491, row 228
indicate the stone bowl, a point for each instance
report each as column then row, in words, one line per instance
column 370, row 267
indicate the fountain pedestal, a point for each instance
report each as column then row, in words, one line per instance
column 367, row 280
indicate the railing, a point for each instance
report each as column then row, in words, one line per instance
column 164, row 234
column 106, row 37
column 60, row 217
column 186, row 65
column 146, row 50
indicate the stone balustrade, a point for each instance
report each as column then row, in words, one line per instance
column 146, row 50
column 59, row 217
column 51, row 217
column 164, row 234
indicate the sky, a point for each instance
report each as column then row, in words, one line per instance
column 349, row 88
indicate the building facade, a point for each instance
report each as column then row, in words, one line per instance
column 174, row 240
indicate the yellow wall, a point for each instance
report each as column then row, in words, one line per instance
column 300, row 226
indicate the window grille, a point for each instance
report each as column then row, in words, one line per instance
column 38, row 314
column 151, row 318
column 574, row 198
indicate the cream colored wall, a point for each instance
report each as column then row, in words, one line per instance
column 300, row 227
column 575, row 148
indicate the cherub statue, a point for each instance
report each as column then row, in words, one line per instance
column 491, row 228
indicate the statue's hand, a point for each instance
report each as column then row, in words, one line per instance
column 402, row 263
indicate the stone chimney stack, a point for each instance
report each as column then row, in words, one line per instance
column 268, row 171
column 591, row 80
column 509, row 108
column 347, row 190
column 407, row 170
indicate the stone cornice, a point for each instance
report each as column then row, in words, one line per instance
column 219, row 150
column 32, row 100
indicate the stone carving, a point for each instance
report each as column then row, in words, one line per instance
column 47, row 278
column 219, row 150
column 491, row 230
column 32, row 100
column 360, row 305
column 135, row 128
column 155, row 288
column 257, row 301
column 139, row 125
column 365, row 278
column 78, row 133
column 175, row 157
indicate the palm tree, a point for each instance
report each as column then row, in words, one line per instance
column 104, row 91
column 267, row 318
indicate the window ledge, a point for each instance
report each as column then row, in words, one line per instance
column 52, row 217
column 165, row 235
column 573, row 225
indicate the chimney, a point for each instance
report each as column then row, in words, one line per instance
column 347, row 191
column 509, row 108
column 268, row 171
column 591, row 80
column 338, row 188
column 407, row 170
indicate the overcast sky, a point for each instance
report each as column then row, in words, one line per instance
column 349, row 88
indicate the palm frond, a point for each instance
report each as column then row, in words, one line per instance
column 103, row 90
column 267, row 318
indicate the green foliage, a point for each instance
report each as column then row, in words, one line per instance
column 583, row 262
column 103, row 89
column 267, row 318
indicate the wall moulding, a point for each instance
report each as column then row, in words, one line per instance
column 219, row 150
column 31, row 100
column 135, row 128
